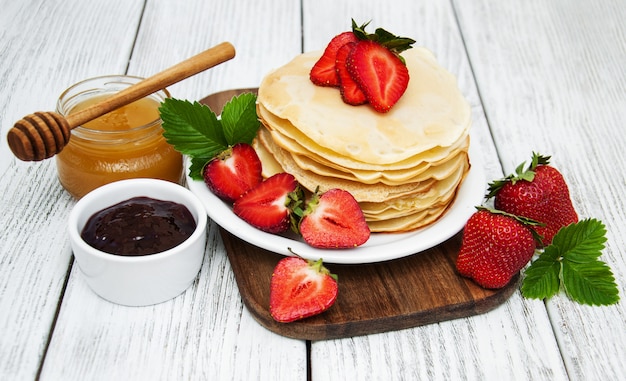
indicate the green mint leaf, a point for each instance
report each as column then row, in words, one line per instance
column 590, row 283
column 541, row 279
column 571, row 263
column 581, row 242
column 239, row 119
column 192, row 128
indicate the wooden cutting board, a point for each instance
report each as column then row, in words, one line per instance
column 420, row 289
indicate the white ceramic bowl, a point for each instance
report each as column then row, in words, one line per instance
column 138, row 280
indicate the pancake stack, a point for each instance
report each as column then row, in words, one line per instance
column 404, row 167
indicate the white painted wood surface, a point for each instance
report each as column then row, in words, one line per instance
column 552, row 79
column 540, row 75
column 45, row 47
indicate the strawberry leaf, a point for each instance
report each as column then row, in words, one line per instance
column 590, row 283
column 239, row 120
column 541, row 279
column 192, row 128
column 571, row 262
column 196, row 167
column 582, row 242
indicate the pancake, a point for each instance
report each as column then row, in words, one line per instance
column 321, row 166
column 362, row 192
column 403, row 167
column 295, row 140
column 432, row 112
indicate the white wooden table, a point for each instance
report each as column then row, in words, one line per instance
column 540, row 75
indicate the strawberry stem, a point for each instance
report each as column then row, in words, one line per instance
column 523, row 220
column 528, row 222
column 318, row 265
column 295, row 203
column 394, row 43
column 320, row 268
column 520, row 174
column 298, row 208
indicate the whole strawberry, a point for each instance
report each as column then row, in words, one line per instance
column 538, row 192
column 300, row 288
column 495, row 247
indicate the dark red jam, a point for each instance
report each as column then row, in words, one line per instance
column 139, row 226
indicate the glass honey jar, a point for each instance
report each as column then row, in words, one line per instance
column 125, row 143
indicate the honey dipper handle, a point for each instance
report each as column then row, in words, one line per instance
column 194, row 65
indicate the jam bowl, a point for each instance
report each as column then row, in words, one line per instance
column 123, row 271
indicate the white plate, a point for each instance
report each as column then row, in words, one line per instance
column 380, row 246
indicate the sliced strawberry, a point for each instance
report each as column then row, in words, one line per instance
column 300, row 288
column 233, row 172
column 334, row 220
column 265, row 206
column 351, row 93
column 323, row 72
column 380, row 73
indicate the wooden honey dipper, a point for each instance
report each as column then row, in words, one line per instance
column 42, row 135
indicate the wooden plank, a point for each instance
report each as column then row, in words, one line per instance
column 551, row 76
column 46, row 47
column 409, row 292
column 501, row 344
column 205, row 333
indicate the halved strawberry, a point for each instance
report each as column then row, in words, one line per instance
column 323, row 72
column 334, row 220
column 351, row 93
column 233, row 172
column 379, row 72
column 265, row 206
column 301, row 288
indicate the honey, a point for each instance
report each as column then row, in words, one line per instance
column 125, row 143
column 138, row 113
